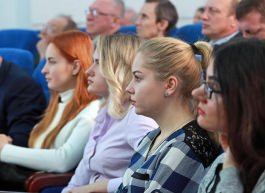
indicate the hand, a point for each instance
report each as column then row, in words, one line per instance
column 99, row 187
column 4, row 139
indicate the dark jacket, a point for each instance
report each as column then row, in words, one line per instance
column 21, row 103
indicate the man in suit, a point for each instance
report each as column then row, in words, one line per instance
column 21, row 103
column 219, row 21
column 251, row 18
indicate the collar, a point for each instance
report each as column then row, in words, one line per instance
column 224, row 39
column 66, row 96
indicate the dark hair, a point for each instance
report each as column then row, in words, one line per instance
column 242, row 81
column 246, row 6
column 165, row 10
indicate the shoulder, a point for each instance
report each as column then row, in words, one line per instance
column 200, row 143
column 134, row 119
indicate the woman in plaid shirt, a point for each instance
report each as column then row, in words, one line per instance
column 174, row 157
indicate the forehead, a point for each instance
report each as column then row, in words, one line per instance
column 251, row 19
column 222, row 5
column 104, row 5
column 52, row 50
column 149, row 9
column 58, row 21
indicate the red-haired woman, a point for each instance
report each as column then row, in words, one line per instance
column 56, row 143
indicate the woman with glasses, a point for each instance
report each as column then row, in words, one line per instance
column 231, row 102
column 174, row 157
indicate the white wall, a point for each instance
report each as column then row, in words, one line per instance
column 34, row 13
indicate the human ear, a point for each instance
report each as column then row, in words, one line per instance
column 171, row 85
column 76, row 67
column 162, row 25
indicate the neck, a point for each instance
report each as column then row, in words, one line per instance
column 1, row 60
column 174, row 117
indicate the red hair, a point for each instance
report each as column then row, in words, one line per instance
column 73, row 45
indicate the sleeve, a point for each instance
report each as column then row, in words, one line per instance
column 137, row 127
column 230, row 181
column 80, row 178
column 113, row 184
column 61, row 159
column 26, row 103
column 174, row 174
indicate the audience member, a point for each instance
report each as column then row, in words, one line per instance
column 104, row 17
column 54, row 27
column 118, row 130
column 174, row 157
column 129, row 17
column 56, row 143
column 156, row 19
column 219, row 21
column 231, row 102
column 251, row 17
column 21, row 103
column 198, row 15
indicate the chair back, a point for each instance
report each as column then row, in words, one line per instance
column 190, row 33
column 20, row 38
column 23, row 58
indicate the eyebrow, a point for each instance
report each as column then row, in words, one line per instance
column 50, row 58
column 213, row 78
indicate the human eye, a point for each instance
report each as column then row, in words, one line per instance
column 137, row 78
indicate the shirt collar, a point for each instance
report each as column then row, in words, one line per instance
column 224, row 39
column 66, row 96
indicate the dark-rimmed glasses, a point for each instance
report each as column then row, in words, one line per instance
column 209, row 87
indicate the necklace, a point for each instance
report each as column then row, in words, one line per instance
column 152, row 149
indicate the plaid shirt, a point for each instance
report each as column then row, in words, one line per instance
column 177, row 165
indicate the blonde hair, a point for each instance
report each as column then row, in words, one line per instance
column 116, row 54
column 73, row 45
column 169, row 56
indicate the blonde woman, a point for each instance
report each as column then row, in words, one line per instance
column 58, row 140
column 118, row 129
column 174, row 157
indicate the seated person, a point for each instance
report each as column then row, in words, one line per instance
column 174, row 157
column 21, row 103
column 231, row 102
column 56, row 143
column 118, row 129
column 53, row 27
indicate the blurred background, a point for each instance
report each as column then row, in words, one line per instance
column 33, row 14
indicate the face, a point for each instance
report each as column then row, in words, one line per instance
column 252, row 25
column 53, row 27
column 101, row 16
column 216, row 19
column 59, row 73
column 197, row 17
column 211, row 115
column 96, row 82
column 146, row 24
column 147, row 93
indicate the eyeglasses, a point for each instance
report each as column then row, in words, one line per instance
column 95, row 13
column 209, row 88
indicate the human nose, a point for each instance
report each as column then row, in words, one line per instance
column 198, row 94
column 44, row 70
column 90, row 71
column 129, row 88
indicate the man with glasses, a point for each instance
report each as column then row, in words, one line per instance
column 251, row 17
column 104, row 17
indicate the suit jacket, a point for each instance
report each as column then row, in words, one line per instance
column 21, row 103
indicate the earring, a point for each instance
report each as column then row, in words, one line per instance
column 166, row 94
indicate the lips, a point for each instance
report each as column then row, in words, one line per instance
column 89, row 81
column 133, row 102
column 201, row 112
